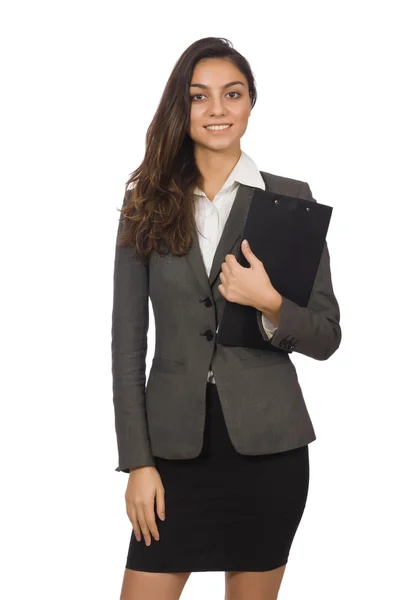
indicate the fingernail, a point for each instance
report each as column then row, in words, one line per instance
column 245, row 243
column 162, row 516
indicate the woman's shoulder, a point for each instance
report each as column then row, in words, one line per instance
column 287, row 185
column 275, row 178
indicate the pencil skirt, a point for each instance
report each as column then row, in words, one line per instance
column 225, row 511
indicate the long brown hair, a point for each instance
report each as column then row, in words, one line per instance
column 158, row 210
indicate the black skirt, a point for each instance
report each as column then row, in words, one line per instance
column 225, row 511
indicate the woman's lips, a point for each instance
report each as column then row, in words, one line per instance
column 219, row 130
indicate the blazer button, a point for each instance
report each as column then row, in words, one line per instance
column 209, row 335
column 207, row 302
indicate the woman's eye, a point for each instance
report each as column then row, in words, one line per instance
column 195, row 96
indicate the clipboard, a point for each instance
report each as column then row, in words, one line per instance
column 288, row 235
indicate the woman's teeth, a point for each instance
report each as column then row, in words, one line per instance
column 217, row 127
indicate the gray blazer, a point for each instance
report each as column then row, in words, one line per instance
column 259, row 391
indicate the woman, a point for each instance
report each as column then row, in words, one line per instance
column 216, row 443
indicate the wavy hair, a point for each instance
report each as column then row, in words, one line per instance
column 158, row 210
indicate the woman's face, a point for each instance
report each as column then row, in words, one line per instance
column 214, row 101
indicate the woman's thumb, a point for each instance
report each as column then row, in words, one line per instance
column 160, row 503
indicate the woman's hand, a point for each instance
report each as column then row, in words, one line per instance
column 249, row 286
column 144, row 488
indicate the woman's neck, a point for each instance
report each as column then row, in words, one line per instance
column 215, row 168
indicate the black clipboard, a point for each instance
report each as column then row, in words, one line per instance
column 288, row 235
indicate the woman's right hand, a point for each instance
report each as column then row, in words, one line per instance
column 144, row 488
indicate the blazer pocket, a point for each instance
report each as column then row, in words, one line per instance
column 264, row 359
column 166, row 365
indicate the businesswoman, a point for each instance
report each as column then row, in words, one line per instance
column 215, row 441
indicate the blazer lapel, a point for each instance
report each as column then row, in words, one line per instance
column 233, row 229
column 195, row 260
column 231, row 232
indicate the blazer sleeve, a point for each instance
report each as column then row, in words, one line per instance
column 313, row 330
column 130, row 320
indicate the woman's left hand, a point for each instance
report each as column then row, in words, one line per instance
column 250, row 286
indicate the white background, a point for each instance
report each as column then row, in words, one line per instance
column 81, row 82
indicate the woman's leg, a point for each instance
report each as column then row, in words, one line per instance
column 250, row 585
column 152, row 586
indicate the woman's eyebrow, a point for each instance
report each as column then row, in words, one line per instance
column 205, row 87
